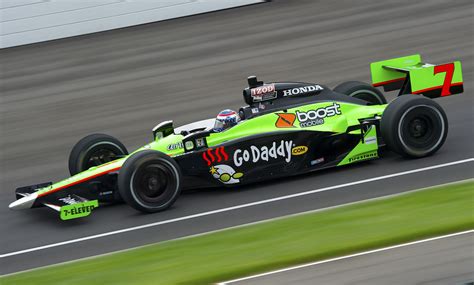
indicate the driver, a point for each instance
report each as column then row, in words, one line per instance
column 225, row 120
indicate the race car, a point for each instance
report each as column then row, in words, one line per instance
column 285, row 128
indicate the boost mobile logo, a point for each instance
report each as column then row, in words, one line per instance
column 316, row 117
column 285, row 120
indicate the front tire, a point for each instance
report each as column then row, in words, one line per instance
column 149, row 181
column 361, row 90
column 94, row 150
column 414, row 126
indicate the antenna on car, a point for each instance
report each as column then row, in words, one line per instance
column 253, row 82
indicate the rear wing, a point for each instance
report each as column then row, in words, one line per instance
column 412, row 76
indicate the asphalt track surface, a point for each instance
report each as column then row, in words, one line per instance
column 124, row 82
column 437, row 262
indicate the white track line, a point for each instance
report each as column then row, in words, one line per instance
column 235, row 207
column 240, row 226
column 344, row 257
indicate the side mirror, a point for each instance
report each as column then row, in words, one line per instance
column 163, row 129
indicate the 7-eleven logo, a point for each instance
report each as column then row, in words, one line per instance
column 285, row 120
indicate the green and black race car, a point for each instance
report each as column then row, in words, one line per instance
column 286, row 128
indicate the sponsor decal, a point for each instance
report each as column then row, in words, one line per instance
column 263, row 93
column 364, row 156
column 225, row 174
column 200, row 142
column 317, row 161
column 255, row 154
column 316, row 117
column 189, row 145
column 302, row 90
column 174, row 146
column 215, row 155
column 299, row 150
column 69, row 200
column 255, row 110
column 285, row 120
column 78, row 210
column 370, row 140
column 222, row 172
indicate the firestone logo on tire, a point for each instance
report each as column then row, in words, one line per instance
column 316, row 117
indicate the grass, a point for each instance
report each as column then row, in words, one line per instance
column 257, row 248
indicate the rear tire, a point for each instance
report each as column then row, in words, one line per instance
column 94, row 150
column 361, row 90
column 414, row 126
column 149, row 181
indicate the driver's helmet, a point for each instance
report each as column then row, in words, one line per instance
column 226, row 119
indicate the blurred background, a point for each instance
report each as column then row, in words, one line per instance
column 123, row 82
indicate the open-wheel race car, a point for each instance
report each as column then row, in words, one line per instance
column 286, row 128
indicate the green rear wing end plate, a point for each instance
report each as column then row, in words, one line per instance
column 412, row 76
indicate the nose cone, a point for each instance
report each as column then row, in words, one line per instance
column 24, row 203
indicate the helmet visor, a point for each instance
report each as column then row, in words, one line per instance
column 219, row 125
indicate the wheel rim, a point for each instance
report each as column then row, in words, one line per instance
column 421, row 129
column 100, row 156
column 418, row 131
column 153, row 183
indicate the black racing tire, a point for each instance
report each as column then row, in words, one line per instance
column 361, row 90
column 94, row 150
column 149, row 181
column 414, row 126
